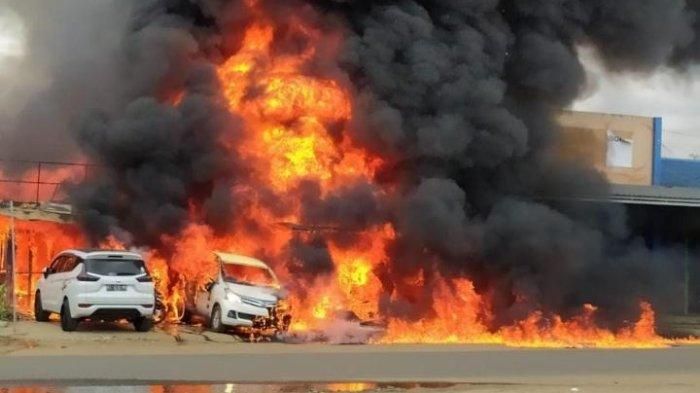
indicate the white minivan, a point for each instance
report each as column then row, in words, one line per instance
column 244, row 293
column 97, row 285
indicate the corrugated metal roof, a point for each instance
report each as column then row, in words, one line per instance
column 650, row 195
column 54, row 212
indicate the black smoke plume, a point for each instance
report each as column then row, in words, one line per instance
column 460, row 97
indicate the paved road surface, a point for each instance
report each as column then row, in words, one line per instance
column 284, row 363
column 41, row 353
column 340, row 388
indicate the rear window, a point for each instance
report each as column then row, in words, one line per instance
column 115, row 267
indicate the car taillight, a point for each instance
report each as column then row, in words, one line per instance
column 84, row 277
column 144, row 279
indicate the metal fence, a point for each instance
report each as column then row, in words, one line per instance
column 29, row 185
column 36, row 181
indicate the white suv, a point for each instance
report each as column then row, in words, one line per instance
column 96, row 285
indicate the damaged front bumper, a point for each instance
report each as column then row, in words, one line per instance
column 251, row 318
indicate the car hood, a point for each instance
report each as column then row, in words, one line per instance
column 268, row 294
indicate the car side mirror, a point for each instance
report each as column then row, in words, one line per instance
column 46, row 271
column 209, row 286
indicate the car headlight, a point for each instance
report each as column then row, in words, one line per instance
column 232, row 297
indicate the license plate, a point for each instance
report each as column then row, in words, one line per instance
column 116, row 288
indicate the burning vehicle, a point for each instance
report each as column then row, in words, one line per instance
column 245, row 295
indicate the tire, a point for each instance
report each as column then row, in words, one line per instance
column 286, row 323
column 68, row 323
column 215, row 323
column 143, row 324
column 180, row 309
column 186, row 317
column 159, row 312
column 39, row 314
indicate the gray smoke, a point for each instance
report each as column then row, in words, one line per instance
column 72, row 48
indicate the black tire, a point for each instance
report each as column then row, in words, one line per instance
column 143, row 324
column 159, row 312
column 39, row 314
column 186, row 317
column 215, row 322
column 286, row 322
column 68, row 323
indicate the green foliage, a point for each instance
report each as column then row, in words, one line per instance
column 5, row 310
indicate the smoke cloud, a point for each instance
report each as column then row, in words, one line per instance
column 71, row 52
column 460, row 96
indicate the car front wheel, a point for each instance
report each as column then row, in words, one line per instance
column 215, row 321
column 39, row 314
column 68, row 323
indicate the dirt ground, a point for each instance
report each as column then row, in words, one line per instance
column 28, row 337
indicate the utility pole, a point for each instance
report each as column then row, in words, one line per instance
column 686, row 273
column 14, row 264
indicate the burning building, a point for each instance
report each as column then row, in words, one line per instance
column 405, row 144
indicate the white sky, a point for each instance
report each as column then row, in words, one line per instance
column 665, row 93
column 11, row 53
column 11, row 32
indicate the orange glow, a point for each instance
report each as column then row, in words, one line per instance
column 37, row 243
column 350, row 387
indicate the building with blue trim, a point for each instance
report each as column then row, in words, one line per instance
column 662, row 194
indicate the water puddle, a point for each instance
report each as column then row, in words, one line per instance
column 353, row 387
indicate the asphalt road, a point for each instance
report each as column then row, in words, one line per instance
column 288, row 363
column 32, row 353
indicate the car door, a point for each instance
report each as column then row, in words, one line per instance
column 203, row 298
column 62, row 277
column 50, row 289
column 217, row 293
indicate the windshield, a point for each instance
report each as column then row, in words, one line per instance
column 112, row 267
column 248, row 275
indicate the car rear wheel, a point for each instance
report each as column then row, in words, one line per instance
column 143, row 324
column 68, row 323
column 39, row 314
column 159, row 311
column 215, row 321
